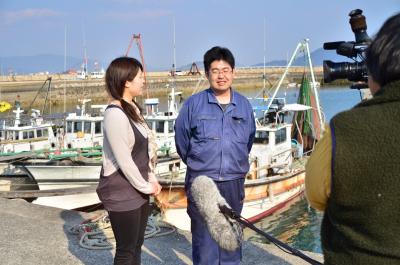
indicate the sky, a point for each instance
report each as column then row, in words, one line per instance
column 105, row 27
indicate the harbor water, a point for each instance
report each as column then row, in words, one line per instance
column 296, row 224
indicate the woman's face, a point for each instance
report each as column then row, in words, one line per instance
column 135, row 87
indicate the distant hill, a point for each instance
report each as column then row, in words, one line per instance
column 317, row 58
column 41, row 63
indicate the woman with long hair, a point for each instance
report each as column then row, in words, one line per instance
column 126, row 179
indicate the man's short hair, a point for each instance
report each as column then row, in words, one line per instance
column 216, row 54
column 383, row 54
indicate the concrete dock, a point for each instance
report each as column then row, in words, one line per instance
column 33, row 234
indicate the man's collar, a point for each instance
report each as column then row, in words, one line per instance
column 213, row 99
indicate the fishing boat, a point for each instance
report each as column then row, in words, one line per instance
column 64, row 183
column 162, row 122
column 74, row 180
column 83, row 129
column 26, row 136
column 277, row 161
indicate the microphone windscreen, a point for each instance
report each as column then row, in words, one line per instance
column 225, row 231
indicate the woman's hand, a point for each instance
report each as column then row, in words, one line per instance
column 156, row 188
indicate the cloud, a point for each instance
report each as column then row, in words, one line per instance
column 141, row 14
column 11, row 17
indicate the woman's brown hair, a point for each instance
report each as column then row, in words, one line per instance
column 120, row 71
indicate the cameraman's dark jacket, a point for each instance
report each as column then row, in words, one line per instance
column 361, row 224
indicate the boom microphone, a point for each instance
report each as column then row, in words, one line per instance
column 225, row 231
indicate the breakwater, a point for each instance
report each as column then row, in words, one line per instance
column 69, row 88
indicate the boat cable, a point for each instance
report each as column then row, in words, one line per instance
column 96, row 233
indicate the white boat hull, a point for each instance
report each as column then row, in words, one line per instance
column 64, row 174
column 68, row 178
column 251, row 210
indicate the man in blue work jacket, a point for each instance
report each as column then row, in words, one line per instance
column 214, row 134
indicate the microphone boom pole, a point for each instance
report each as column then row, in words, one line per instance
column 231, row 214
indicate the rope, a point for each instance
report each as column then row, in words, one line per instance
column 93, row 233
column 96, row 233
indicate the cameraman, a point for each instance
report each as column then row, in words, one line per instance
column 354, row 173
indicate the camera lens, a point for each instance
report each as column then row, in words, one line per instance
column 344, row 70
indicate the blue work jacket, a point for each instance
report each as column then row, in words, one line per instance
column 214, row 142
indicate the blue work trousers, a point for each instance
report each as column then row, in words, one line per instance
column 205, row 251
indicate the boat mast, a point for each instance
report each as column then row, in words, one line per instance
column 303, row 46
column 174, row 47
column 85, row 59
column 314, row 85
column 171, row 102
column 299, row 45
column 65, row 65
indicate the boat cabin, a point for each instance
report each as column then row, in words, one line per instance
column 272, row 148
column 97, row 74
column 22, row 137
column 162, row 124
column 83, row 130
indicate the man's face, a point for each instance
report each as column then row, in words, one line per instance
column 220, row 76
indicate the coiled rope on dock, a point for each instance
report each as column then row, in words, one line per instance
column 96, row 233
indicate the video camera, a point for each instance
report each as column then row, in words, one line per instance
column 353, row 71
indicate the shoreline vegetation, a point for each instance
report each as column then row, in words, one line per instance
column 158, row 83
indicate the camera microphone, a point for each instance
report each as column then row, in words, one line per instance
column 212, row 206
column 332, row 45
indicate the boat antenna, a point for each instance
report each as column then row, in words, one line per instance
column 264, row 74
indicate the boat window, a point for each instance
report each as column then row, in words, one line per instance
column 87, row 126
column 45, row 133
column 97, row 127
column 261, row 137
column 160, row 126
column 31, row 134
column 1, row 134
column 24, row 134
column 280, row 136
column 170, row 126
column 77, row 126
column 150, row 124
column 69, row 126
column 39, row 133
column 9, row 135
